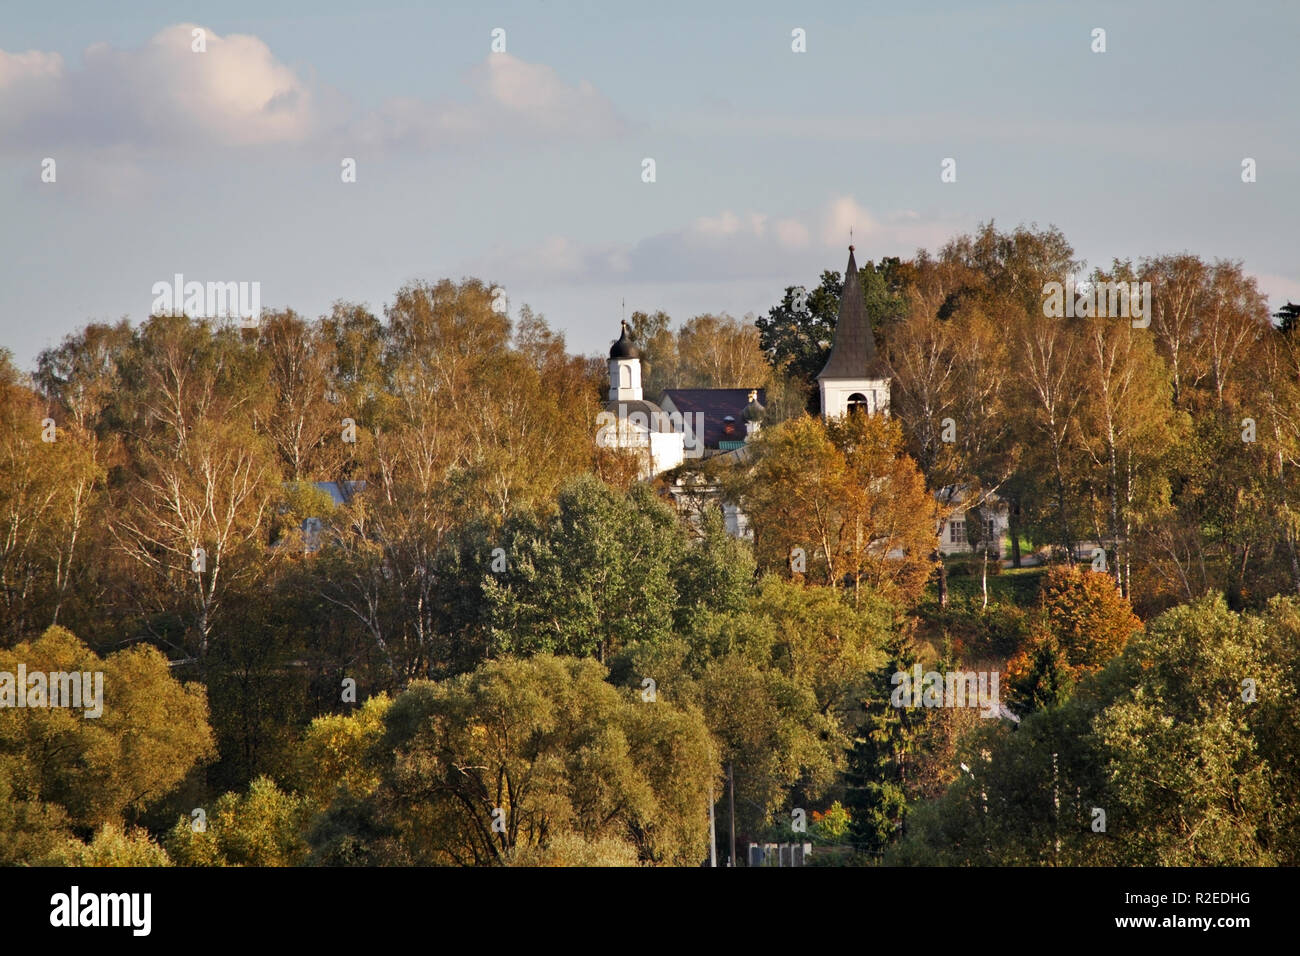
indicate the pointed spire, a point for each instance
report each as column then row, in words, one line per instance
column 853, row 352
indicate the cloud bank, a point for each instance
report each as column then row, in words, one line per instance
column 165, row 95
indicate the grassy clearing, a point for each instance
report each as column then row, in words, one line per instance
column 1018, row 586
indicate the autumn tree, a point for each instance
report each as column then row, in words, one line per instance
column 1088, row 615
column 1127, row 427
column 718, row 351
column 848, row 497
column 67, row 772
column 467, row 421
column 657, row 342
column 51, row 503
column 202, row 480
column 304, row 424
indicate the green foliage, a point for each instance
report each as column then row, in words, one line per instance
column 57, row 764
column 831, row 826
column 334, row 755
column 112, row 847
column 1183, row 758
column 262, row 827
column 882, row 751
column 595, row 576
column 798, row 340
column 715, row 575
column 1162, row 740
column 543, row 748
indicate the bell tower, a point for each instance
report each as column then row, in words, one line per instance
column 854, row 378
column 624, row 370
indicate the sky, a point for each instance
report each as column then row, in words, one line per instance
column 525, row 167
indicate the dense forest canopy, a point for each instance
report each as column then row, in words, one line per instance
column 501, row 648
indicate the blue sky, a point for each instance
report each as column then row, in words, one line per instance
column 524, row 168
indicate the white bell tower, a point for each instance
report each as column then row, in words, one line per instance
column 854, row 377
column 624, row 370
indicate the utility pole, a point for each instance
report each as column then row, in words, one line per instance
column 731, row 785
column 1056, row 817
column 713, row 831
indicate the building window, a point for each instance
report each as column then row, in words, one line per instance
column 858, row 401
column 989, row 533
column 957, row 532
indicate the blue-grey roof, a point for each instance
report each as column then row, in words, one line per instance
column 340, row 491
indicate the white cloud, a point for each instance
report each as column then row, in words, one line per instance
column 559, row 256
column 723, row 247
column 534, row 94
column 28, row 85
column 844, row 214
column 510, row 99
column 32, row 67
column 726, row 224
column 165, row 95
column 236, row 93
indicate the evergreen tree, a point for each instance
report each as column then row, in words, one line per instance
column 879, row 761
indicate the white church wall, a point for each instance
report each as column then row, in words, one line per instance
column 835, row 394
column 667, row 450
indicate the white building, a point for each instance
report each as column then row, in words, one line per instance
column 853, row 377
column 719, row 422
column 955, row 534
column 630, row 422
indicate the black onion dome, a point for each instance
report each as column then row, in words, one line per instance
column 754, row 412
column 623, row 348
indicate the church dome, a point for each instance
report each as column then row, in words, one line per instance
column 623, row 348
column 754, row 412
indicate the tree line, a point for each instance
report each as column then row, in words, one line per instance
column 501, row 648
